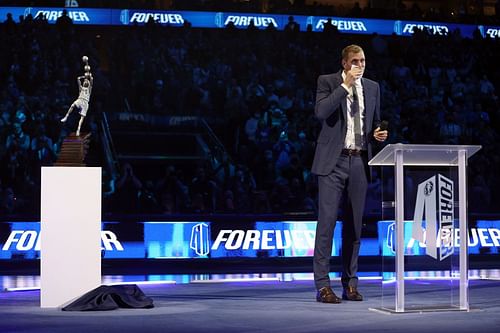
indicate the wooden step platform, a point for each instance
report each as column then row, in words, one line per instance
column 74, row 149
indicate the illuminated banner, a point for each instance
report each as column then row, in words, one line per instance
column 176, row 239
column 484, row 239
column 184, row 240
column 347, row 25
column 208, row 239
column 407, row 28
column 198, row 239
column 170, row 18
column 242, row 21
column 86, row 16
column 173, row 19
column 23, row 241
column 488, row 31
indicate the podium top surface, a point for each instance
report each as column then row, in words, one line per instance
column 423, row 155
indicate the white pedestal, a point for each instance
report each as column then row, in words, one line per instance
column 70, row 233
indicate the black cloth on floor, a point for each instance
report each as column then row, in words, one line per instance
column 111, row 297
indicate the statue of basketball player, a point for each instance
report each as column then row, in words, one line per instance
column 85, row 83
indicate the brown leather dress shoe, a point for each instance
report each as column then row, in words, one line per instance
column 326, row 295
column 351, row 294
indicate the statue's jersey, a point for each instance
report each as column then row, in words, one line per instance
column 82, row 102
column 85, row 94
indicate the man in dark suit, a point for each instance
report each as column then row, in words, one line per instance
column 349, row 107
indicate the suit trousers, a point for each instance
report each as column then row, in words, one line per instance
column 348, row 181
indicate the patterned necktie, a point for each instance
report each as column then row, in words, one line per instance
column 358, row 141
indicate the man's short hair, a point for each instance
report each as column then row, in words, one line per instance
column 350, row 49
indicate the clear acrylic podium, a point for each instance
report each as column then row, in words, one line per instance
column 434, row 224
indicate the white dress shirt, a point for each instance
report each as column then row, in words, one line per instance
column 349, row 138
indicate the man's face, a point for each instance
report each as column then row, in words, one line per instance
column 356, row 59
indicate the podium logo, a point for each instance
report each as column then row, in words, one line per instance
column 433, row 217
column 200, row 239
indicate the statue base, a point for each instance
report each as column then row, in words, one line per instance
column 74, row 149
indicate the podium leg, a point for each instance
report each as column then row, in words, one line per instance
column 464, row 235
column 399, row 228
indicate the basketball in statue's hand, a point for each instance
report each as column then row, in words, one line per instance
column 85, row 59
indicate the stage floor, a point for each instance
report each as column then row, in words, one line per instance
column 266, row 305
column 25, row 282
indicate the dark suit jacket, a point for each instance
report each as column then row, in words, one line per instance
column 331, row 109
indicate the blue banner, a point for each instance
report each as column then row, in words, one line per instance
column 200, row 239
column 87, row 16
column 347, row 25
column 184, row 239
column 484, row 239
column 492, row 32
column 92, row 16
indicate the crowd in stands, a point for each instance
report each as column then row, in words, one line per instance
column 259, row 84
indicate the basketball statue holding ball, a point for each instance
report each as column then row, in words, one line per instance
column 85, row 83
